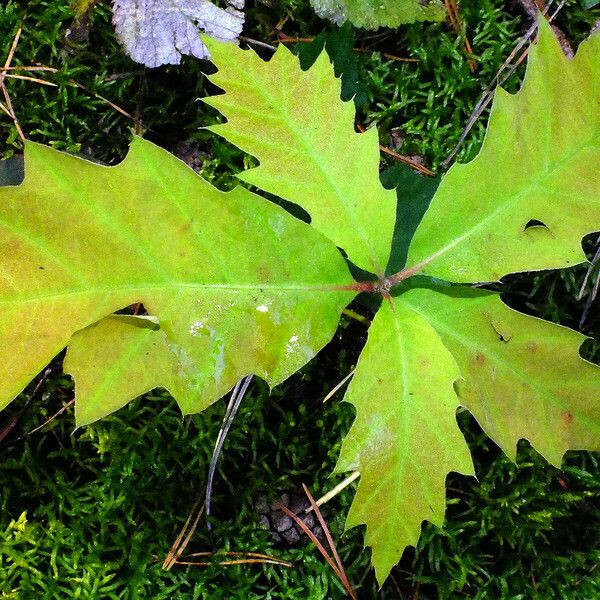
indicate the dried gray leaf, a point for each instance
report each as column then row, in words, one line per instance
column 159, row 32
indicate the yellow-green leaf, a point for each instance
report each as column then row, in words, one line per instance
column 522, row 377
column 372, row 14
column 232, row 278
column 540, row 163
column 294, row 122
column 118, row 359
column 405, row 438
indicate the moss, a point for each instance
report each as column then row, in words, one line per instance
column 85, row 514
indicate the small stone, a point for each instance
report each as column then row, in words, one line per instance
column 262, row 506
column 264, row 522
column 282, row 523
column 291, row 536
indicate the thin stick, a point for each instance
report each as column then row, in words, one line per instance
column 335, row 491
column 338, row 386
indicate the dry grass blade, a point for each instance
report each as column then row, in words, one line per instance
column 389, row 56
column 106, row 100
column 317, row 511
column 59, row 412
column 312, row 537
column 229, row 563
column 404, row 159
column 357, row 317
column 27, row 78
column 239, row 391
column 182, row 540
column 332, row 493
column 244, row 558
column 34, row 68
column 8, row 107
column 338, row 386
column 594, row 292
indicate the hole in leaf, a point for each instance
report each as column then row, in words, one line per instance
column 535, row 223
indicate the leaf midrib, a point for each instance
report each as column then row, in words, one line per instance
column 135, row 289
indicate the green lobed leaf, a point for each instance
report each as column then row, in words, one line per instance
column 118, row 359
column 339, row 44
column 405, row 438
column 539, row 163
column 372, row 14
column 522, row 377
column 232, row 278
column 308, row 150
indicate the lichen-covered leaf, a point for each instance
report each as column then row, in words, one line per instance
column 238, row 285
column 372, row 14
column 294, row 122
column 540, row 163
column 405, row 438
column 159, row 32
column 522, row 377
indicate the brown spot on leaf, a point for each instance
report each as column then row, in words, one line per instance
column 567, row 417
column 532, row 347
column 480, row 358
